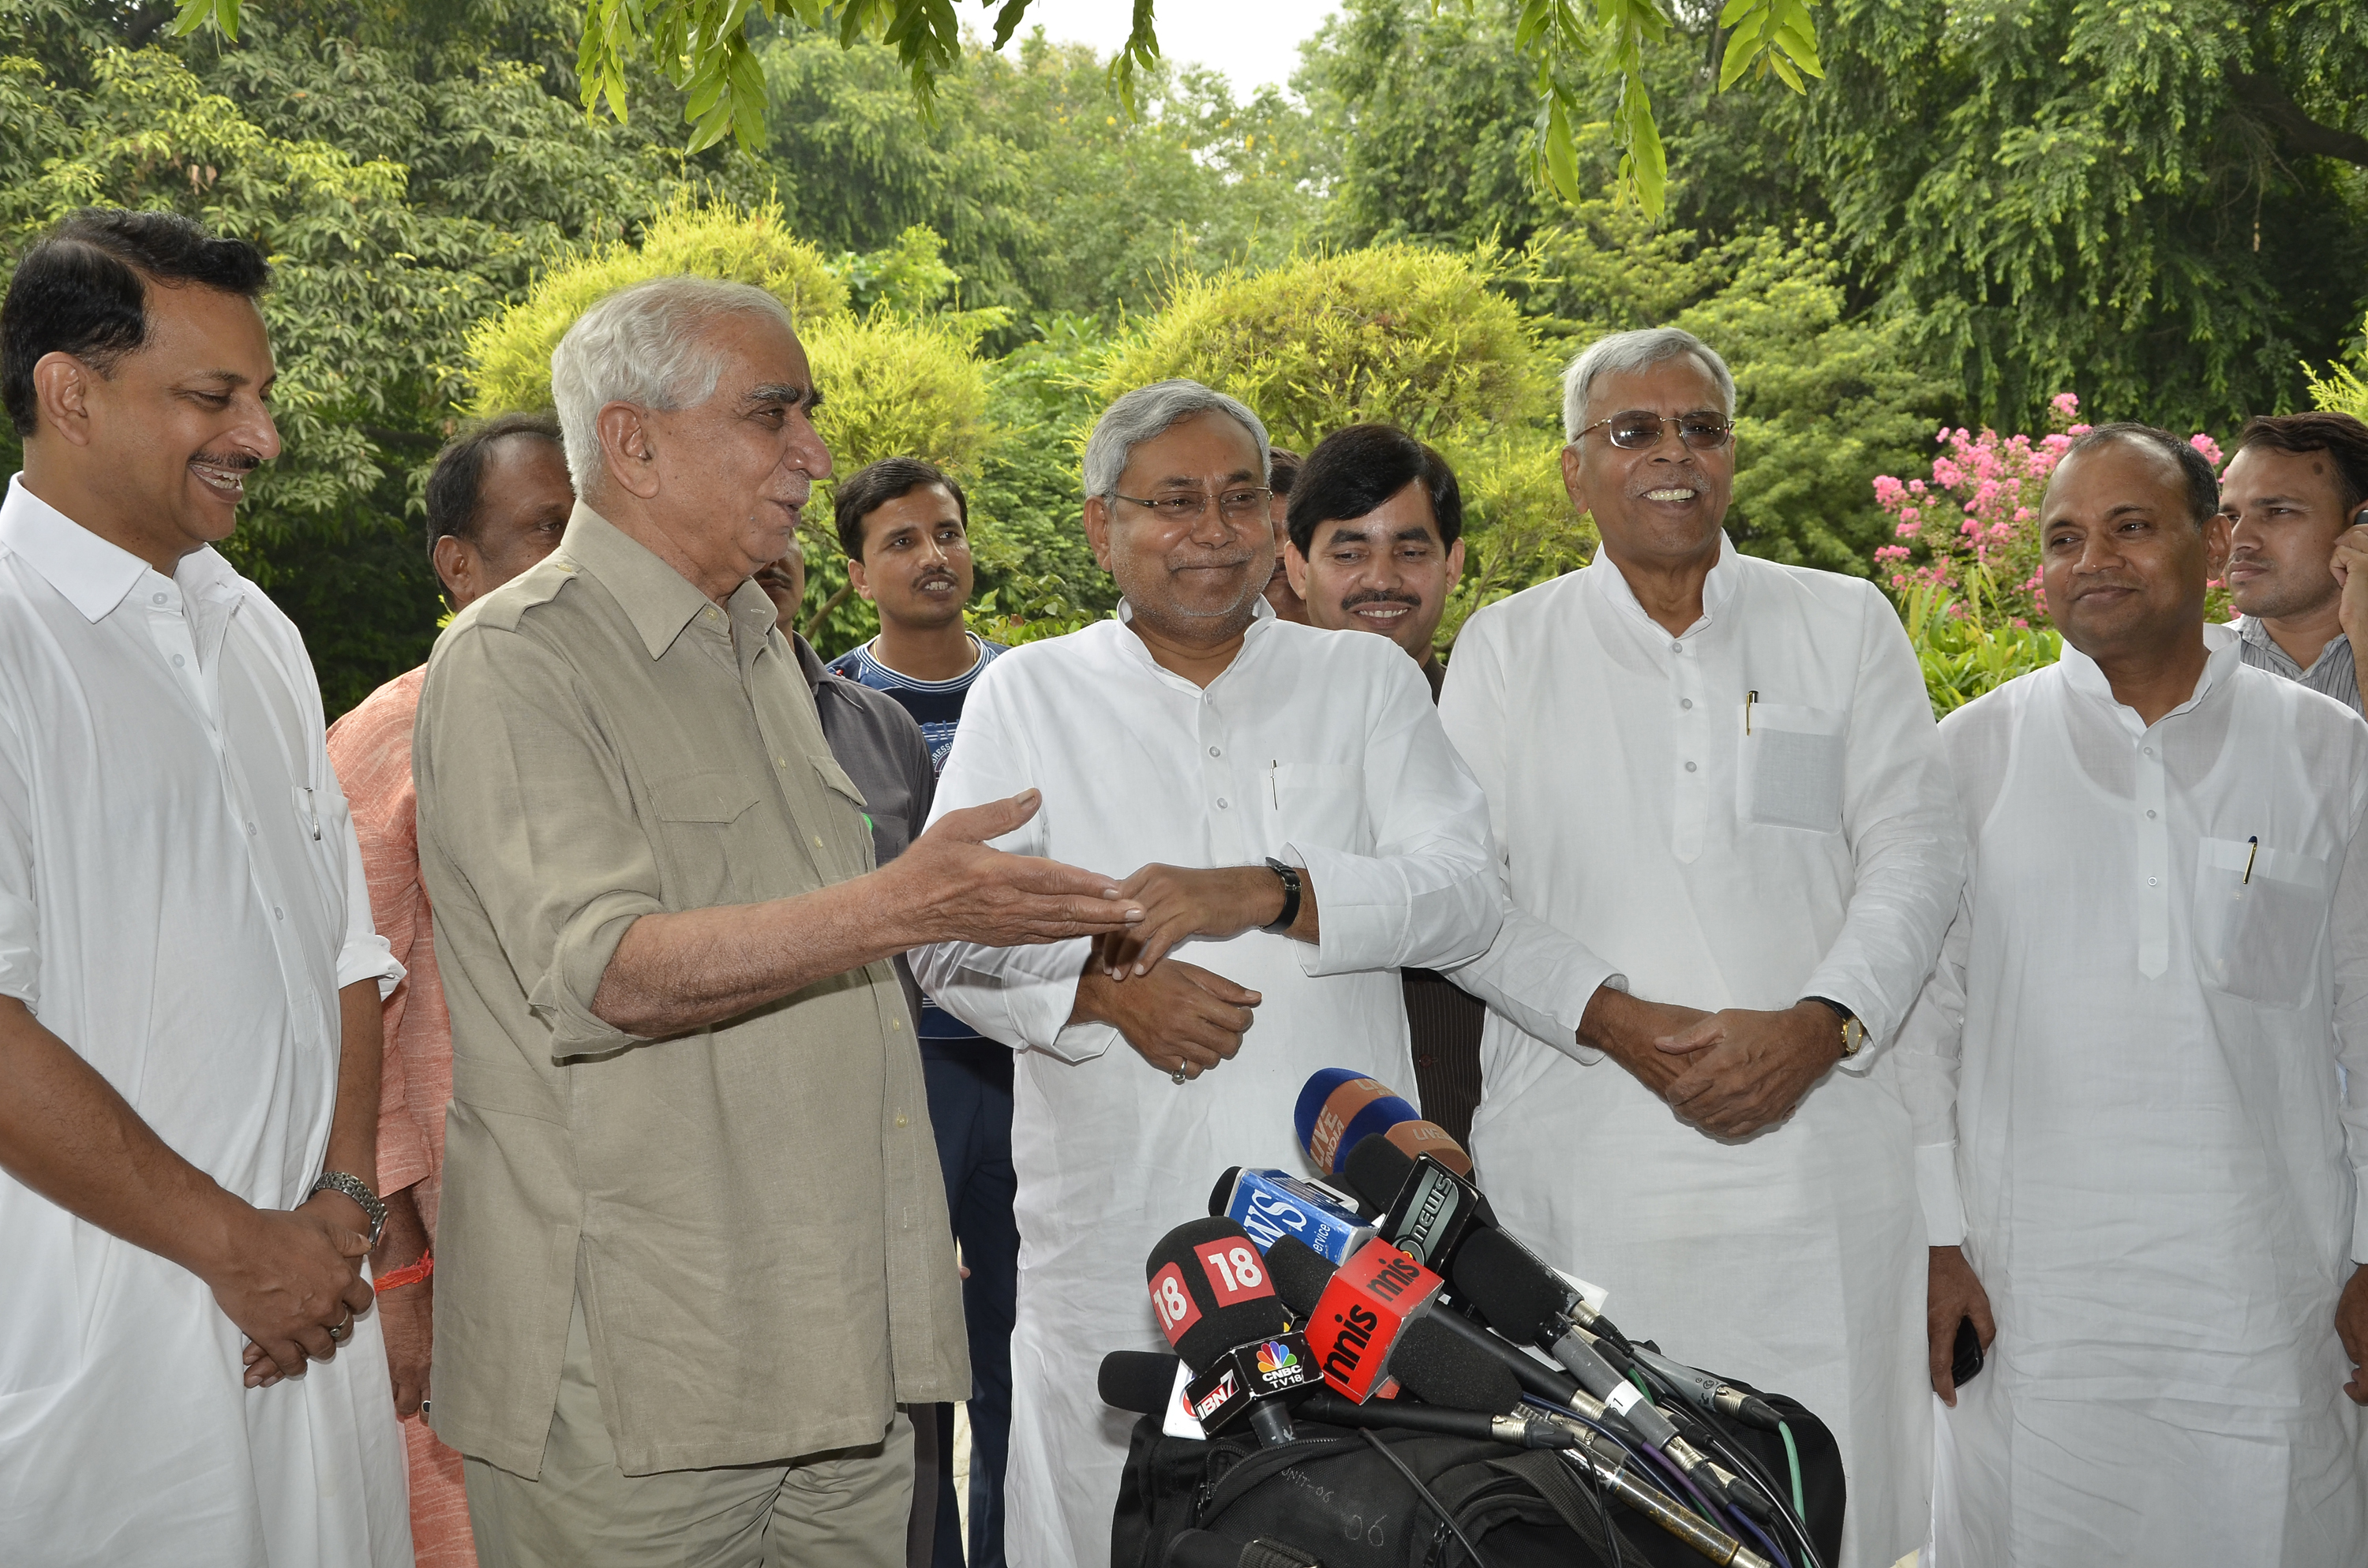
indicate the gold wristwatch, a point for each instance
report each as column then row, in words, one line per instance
column 1853, row 1032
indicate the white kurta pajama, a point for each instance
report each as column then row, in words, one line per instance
column 1647, row 835
column 2125, row 1075
column 1318, row 748
column 181, row 898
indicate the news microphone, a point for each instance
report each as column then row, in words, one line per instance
column 1210, row 1290
column 1274, row 1203
column 1339, row 1109
column 1139, row 1380
column 1523, row 1300
column 1709, row 1395
column 1200, row 1548
column 1369, row 1328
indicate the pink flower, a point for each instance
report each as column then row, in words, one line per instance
column 1907, row 529
column 2207, row 446
column 1889, row 554
column 2077, row 430
column 1916, row 486
column 1908, row 515
column 2064, row 404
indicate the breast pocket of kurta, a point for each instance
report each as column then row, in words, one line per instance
column 1791, row 765
column 701, row 818
column 1322, row 803
column 2260, row 912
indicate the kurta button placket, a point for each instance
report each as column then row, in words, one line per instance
column 1691, row 738
column 2154, row 864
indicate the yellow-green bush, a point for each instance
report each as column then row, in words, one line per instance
column 511, row 353
column 1392, row 332
column 2341, row 389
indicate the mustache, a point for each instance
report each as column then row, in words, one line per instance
column 934, row 575
column 1382, row 596
column 237, row 463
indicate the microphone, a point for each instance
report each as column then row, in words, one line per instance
column 1426, row 1210
column 1709, row 1395
column 1272, row 1203
column 1200, row 1548
column 1339, row 1109
column 1524, row 1299
column 1138, row 1381
column 1210, row 1290
column 1370, row 1329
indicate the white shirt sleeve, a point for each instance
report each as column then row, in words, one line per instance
column 1427, row 894
column 1905, row 836
column 2348, row 935
column 1021, row 996
column 20, row 923
column 1538, row 976
column 1931, row 1046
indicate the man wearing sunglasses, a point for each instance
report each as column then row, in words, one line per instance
column 1730, row 861
column 1300, row 830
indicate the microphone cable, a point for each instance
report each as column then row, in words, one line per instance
column 1426, row 1493
column 1722, row 1441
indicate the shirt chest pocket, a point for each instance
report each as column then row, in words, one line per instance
column 2259, row 912
column 702, row 821
column 1321, row 802
column 1791, row 772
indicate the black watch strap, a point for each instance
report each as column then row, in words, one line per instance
column 1290, row 885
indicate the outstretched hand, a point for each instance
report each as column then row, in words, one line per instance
column 1180, row 901
column 1749, row 1068
column 964, row 892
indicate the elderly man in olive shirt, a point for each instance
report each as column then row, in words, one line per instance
column 693, row 1250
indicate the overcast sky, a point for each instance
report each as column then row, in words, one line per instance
column 1252, row 42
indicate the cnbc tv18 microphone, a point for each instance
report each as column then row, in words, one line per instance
column 1210, row 1291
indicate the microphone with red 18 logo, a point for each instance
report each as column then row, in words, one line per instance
column 1216, row 1304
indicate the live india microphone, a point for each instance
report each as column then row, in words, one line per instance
column 1210, row 1291
column 1339, row 1108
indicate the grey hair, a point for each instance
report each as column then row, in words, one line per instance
column 647, row 345
column 1624, row 351
column 1150, row 411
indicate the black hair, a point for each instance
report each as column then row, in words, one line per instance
column 1353, row 470
column 1282, row 466
column 454, row 483
column 2339, row 436
column 867, row 490
column 2202, row 484
column 81, row 289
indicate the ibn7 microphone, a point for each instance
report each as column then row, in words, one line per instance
column 1272, row 1203
column 1211, row 1294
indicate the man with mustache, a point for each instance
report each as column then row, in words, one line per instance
column 2293, row 496
column 691, row 1254
column 1301, row 829
column 189, row 985
column 1376, row 544
column 2139, row 1075
column 1714, row 785
column 905, row 525
column 499, row 499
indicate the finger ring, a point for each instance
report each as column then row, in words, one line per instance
column 1177, row 1076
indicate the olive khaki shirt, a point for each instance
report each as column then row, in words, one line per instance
column 752, row 1212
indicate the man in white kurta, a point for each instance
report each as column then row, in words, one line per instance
column 2126, row 1075
column 181, row 906
column 1722, row 803
column 1317, row 749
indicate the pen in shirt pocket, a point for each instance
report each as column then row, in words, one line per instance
column 1273, row 789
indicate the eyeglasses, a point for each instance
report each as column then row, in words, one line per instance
column 1236, row 504
column 1639, row 429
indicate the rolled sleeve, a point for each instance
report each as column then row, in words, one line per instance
column 365, row 955
column 1905, row 838
column 516, row 778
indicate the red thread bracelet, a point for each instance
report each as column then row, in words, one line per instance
column 409, row 1274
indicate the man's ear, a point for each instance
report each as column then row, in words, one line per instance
column 1294, row 568
column 859, row 579
column 628, row 450
column 2216, row 541
column 1574, row 483
column 61, row 385
column 455, row 568
column 1454, row 566
column 1098, row 521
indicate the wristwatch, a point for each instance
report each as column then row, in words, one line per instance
column 1290, row 875
column 1853, row 1032
column 352, row 1186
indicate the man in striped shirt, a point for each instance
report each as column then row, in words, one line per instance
column 2293, row 496
column 904, row 526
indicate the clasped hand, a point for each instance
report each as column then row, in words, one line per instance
column 1747, row 1070
column 1179, row 1017
column 292, row 1282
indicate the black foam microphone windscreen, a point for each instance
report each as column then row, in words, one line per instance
column 1300, row 1274
column 1517, row 1294
column 1440, row 1368
column 1210, row 1291
column 1140, row 1381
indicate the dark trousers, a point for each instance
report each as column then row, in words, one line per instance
column 970, row 1109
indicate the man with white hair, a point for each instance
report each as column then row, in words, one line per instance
column 1299, row 827
column 1731, row 860
column 692, row 1253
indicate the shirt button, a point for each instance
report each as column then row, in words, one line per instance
column 900, row 1118
column 817, row 842
column 155, row 598
column 178, row 662
column 2152, row 882
column 1216, row 751
column 1685, row 702
column 1676, row 647
column 1223, row 804
column 277, row 913
column 2149, row 750
column 895, row 1024
column 1690, row 767
column 2149, row 816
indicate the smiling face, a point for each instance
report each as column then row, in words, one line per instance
column 1662, row 505
column 162, row 447
column 726, row 480
column 1197, row 578
column 917, row 562
column 2125, row 563
column 1385, row 571
column 2284, row 510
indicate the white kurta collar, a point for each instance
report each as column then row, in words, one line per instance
column 1262, row 619
column 1718, row 588
column 90, row 573
column 2082, row 675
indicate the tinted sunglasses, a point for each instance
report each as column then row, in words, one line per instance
column 1638, row 429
